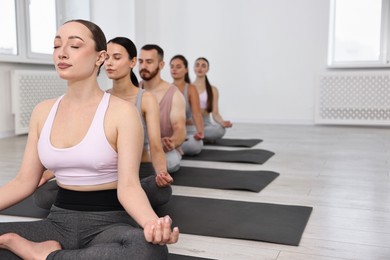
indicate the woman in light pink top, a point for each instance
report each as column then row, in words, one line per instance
column 93, row 143
column 215, row 127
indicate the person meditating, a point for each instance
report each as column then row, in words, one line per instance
column 93, row 143
column 214, row 124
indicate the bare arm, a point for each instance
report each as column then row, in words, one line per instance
column 31, row 169
column 130, row 193
column 129, row 146
column 193, row 97
column 178, row 122
column 216, row 115
column 151, row 110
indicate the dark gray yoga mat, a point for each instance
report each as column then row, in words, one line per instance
column 26, row 208
column 281, row 224
column 223, row 179
column 234, row 142
column 185, row 257
column 256, row 156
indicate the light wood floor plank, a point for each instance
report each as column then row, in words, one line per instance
column 341, row 171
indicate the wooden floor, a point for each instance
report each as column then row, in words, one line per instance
column 342, row 172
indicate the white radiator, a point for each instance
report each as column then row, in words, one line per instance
column 29, row 87
column 353, row 99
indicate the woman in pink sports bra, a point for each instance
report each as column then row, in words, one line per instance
column 155, row 179
column 91, row 141
column 214, row 128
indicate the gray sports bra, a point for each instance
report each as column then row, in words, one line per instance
column 138, row 105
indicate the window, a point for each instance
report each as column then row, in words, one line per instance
column 42, row 26
column 8, row 41
column 359, row 33
column 27, row 27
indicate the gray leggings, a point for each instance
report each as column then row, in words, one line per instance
column 212, row 131
column 191, row 146
column 173, row 158
column 87, row 235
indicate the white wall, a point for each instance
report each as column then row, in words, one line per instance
column 116, row 18
column 265, row 56
column 72, row 9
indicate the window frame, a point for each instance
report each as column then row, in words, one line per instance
column 24, row 54
column 384, row 59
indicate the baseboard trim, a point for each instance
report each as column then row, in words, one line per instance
column 6, row 134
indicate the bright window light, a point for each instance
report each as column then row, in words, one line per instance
column 8, row 39
column 358, row 33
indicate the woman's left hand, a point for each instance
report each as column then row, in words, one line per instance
column 227, row 124
column 163, row 179
column 199, row 136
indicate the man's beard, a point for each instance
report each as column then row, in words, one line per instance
column 148, row 75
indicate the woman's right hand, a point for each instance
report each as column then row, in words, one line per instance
column 159, row 231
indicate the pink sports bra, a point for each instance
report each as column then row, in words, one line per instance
column 203, row 99
column 93, row 161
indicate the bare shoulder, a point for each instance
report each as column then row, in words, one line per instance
column 149, row 103
column 215, row 89
column 120, row 106
column 120, row 114
column 148, row 97
column 40, row 114
column 192, row 88
column 46, row 104
column 43, row 108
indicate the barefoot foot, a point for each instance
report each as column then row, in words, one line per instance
column 26, row 249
